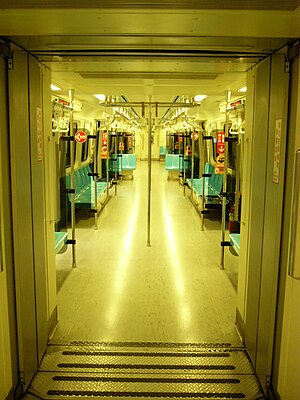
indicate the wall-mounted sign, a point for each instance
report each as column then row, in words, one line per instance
column 277, row 150
column 39, row 134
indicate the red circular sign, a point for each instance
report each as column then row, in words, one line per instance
column 195, row 136
column 80, row 137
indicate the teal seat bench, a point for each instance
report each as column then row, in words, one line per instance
column 128, row 162
column 235, row 241
column 162, row 151
column 212, row 185
column 174, row 162
column 84, row 188
column 60, row 240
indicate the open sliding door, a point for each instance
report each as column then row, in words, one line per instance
column 28, row 210
column 266, row 201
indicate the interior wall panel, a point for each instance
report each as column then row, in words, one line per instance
column 37, row 160
column 7, row 321
column 285, row 382
column 22, row 215
column 257, row 201
column 273, row 214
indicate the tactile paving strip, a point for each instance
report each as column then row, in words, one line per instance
column 94, row 371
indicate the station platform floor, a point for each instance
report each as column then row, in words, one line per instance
column 124, row 291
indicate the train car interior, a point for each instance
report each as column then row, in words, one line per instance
column 152, row 205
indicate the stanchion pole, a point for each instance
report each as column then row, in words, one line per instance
column 149, row 172
column 193, row 167
column 224, row 198
column 116, row 161
column 72, row 161
column 95, row 156
column 202, row 170
column 107, row 164
column 184, row 141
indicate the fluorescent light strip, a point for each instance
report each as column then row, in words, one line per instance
column 54, row 87
column 243, row 89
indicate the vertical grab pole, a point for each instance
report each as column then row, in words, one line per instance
column 107, row 164
column 116, row 161
column 149, row 171
column 237, row 182
column 193, row 166
column 95, row 156
column 184, row 142
column 223, row 226
column 202, row 169
column 72, row 157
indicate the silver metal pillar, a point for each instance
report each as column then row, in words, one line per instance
column 149, row 171
column 224, row 200
column 237, row 181
column 193, row 168
column 95, row 156
column 202, row 145
column 184, row 147
column 116, row 161
column 72, row 157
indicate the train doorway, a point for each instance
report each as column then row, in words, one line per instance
column 169, row 230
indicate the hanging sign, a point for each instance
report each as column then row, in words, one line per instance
column 80, row 137
column 195, row 136
column 220, row 142
column 219, row 166
column 104, row 145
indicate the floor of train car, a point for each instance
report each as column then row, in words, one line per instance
column 124, row 291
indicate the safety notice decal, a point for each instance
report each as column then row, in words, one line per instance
column 277, row 149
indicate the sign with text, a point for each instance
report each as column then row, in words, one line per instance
column 220, row 142
column 277, row 151
column 219, row 166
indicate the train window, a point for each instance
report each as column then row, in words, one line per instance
column 85, row 150
column 68, row 147
column 68, row 153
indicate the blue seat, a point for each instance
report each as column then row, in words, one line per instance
column 162, row 150
column 60, row 239
column 84, row 187
column 235, row 242
column 128, row 162
column 173, row 162
column 212, row 185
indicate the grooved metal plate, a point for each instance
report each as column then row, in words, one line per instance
column 98, row 371
column 91, row 385
column 96, row 358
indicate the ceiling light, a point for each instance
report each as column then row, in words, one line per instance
column 100, row 97
column 53, row 87
column 243, row 89
column 199, row 97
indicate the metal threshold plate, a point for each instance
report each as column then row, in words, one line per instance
column 94, row 371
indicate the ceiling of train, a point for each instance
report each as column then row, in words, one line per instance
column 161, row 49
